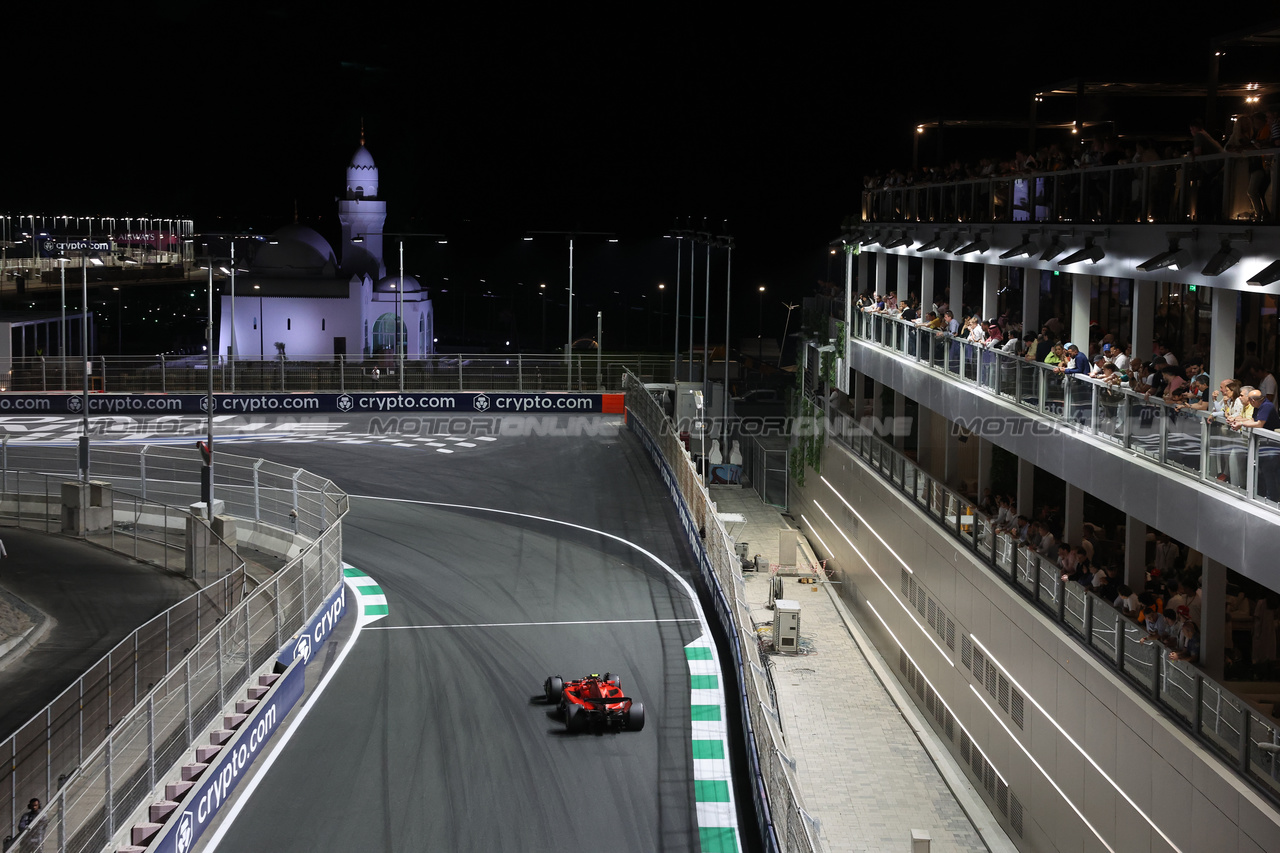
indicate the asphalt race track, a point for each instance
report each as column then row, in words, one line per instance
column 431, row 734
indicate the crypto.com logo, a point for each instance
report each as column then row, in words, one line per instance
column 345, row 403
column 482, row 403
column 186, row 832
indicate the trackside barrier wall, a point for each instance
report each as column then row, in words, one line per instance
column 784, row 825
column 95, row 753
column 202, row 803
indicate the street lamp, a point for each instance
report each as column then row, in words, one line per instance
column 662, row 301
column 542, row 291
column 399, row 343
column 568, row 347
column 760, row 328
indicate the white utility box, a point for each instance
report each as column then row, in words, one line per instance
column 786, row 625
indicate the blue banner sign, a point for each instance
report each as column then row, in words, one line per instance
column 305, row 403
column 307, row 642
column 202, row 803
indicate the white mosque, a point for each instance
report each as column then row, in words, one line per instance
column 300, row 300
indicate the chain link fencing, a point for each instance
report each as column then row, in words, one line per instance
column 96, row 753
column 785, row 825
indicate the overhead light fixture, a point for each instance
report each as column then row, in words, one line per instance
column 901, row 240
column 1090, row 253
column 869, row 240
column 1268, row 275
column 932, row 244
column 1224, row 259
column 1054, row 249
column 1175, row 257
column 1024, row 249
column 953, row 242
column 980, row 245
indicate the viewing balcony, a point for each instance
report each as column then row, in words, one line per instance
column 1206, row 189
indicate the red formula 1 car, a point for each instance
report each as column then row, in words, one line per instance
column 594, row 702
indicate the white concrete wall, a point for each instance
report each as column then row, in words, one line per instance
column 1198, row 803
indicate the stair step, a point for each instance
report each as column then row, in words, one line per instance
column 144, row 832
column 177, row 790
column 159, row 811
column 193, row 771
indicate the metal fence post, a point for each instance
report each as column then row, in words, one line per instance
column 1088, row 619
column 248, row 647
column 151, row 741
column 520, row 371
column 342, row 373
column 1120, row 641
column 48, row 752
column 460, row 371
column 1197, row 713
column 1244, row 740
column 186, row 696
column 142, row 470
column 257, row 507
column 279, row 641
column 164, row 385
column 218, row 649
column 111, row 823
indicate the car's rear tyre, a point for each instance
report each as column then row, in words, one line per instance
column 553, row 688
column 610, row 678
column 635, row 717
column 575, row 719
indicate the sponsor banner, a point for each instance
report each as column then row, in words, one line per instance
column 261, row 404
column 202, row 803
column 153, row 239
column 306, row 643
column 52, row 246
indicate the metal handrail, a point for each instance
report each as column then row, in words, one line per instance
column 1204, row 188
column 1186, row 441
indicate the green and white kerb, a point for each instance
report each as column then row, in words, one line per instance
column 371, row 603
column 712, row 779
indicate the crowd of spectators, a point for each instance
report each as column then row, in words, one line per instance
column 1245, row 401
column 1168, row 607
column 1250, row 133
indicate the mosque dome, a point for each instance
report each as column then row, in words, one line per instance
column 295, row 250
column 390, row 283
column 362, row 175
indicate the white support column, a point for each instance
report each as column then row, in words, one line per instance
column 984, row 465
column 926, row 285
column 956, row 284
column 1135, row 553
column 1030, row 300
column 903, row 269
column 990, row 291
column 1026, row 487
column 1073, row 515
column 861, row 283
column 882, row 273
column 1081, row 302
column 951, row 458
column 1213, row 609
column 846, row 346
column 1222, row 336
column 1144, row 318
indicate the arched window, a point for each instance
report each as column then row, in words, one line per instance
column 384, row 334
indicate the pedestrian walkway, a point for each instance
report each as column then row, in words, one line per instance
column 869, row 768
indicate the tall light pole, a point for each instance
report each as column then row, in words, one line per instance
column 675, row 351
column 785, row 326
column 234, row 349
column 84, row 358
column 662, row 301
column 727, row 242
column 62, row 327
column 206, row 481
column 760, row 328
column 542, row 291
column 568, row 347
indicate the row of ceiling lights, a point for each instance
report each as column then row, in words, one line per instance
column 1176, row 257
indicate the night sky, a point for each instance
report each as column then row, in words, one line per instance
column 486, row 123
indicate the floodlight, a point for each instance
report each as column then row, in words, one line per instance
column 1224, row 259
column 1269, row 274
column 953, row 242
column 1090, row 253
column 979, row 245
column 932, row 244
column 1025, row 248
column 1052, row 250
column 1175, row 258
column 901, row 240
column 869, row 240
